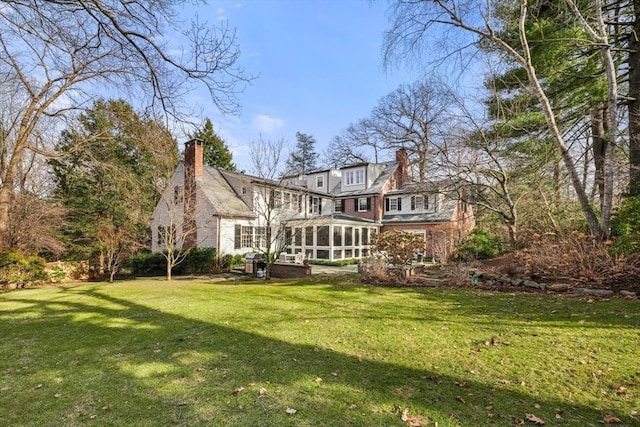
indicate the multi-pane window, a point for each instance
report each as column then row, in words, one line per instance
column 360, row 176
column 363, row 204
column 178, row 194
column 286, row 201
column 261, row 237
column 166, row 236
column 246, row 237
column 393, row 204
column 338, row 206
column 348, row 178
column 319, row 181
column 316, row 205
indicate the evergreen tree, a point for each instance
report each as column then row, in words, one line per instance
column 303, row 158
column 108, row 186
column 216, row 153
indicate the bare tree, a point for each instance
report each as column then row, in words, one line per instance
column 56, row 56
column 275, row 210
column 409, row 118
column 413, row 21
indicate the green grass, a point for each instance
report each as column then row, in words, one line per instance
column 152, row 353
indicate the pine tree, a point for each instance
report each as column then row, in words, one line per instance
column 216, row 152
column 303, row 159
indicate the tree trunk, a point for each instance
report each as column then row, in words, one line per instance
column 634, row 103
column 599, row 144
column 6, row 196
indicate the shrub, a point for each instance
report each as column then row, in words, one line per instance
column 22, row 270
column 197, row 261
column 578, row 257
column 626, row 226
column 480, row 245
column 147, row 264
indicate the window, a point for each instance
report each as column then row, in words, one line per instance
column 322, row 236
column 354, row 177
column 246, row 237
column 244, row 190
column 319, row 181
column 166, row 236
column 417, row 202
column 261, row 237
column 348, row 178
column 308, row 236
column 348, row 236
column 363, row 204
column 178, row 194
column 298, row 236
column 365, row 236
column 393, row 204
column 316, row 205
column 337, row 236
column 339, row 206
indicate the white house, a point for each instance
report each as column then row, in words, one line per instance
column 328, row 214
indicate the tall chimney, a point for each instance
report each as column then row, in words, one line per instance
column 194, row 157
column 193, row 169
column 403, row 167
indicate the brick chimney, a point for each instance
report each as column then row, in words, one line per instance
column 403, row 167
column 193, row 169
column 194, row 158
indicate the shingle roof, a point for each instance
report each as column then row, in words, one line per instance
column 223, row 198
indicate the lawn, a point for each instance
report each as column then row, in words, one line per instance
column 325, row 352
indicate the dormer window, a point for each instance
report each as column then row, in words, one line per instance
column 348, row 178
column 320, row 181
column 354, row 177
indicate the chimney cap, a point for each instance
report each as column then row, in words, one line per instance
column 196, row 141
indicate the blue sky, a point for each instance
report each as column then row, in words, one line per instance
column 319, row 67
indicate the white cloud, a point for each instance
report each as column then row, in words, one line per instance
column 266, row 124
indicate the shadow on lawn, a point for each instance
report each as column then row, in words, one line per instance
column 201, row 364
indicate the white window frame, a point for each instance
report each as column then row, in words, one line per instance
column 361, row 207
column 320, row 181
column 338, row 205
column 315, row 205
column 246, row 236
column 360, row 176
column 349, row 178
column 393, row 204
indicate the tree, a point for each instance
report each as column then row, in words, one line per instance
column 273, row 218
column 409, row 117
column 216, row 153
column 107, row 185
column 303, row 158
column 55, row 56
column 413, row 20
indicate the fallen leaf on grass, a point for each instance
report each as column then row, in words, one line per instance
column 460, row 399
column 353, row 406
column 610, row 419
column 262, row 391
column 413, row 421
column 534, row 419
column 57, row 395
column 237, row 391
column 318, row 380
column 290, row 411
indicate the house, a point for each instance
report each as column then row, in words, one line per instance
column 330, row 214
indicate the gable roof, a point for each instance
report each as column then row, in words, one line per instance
column 222, row 197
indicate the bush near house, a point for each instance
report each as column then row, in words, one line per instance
column 480, row 245
column 197, row 261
